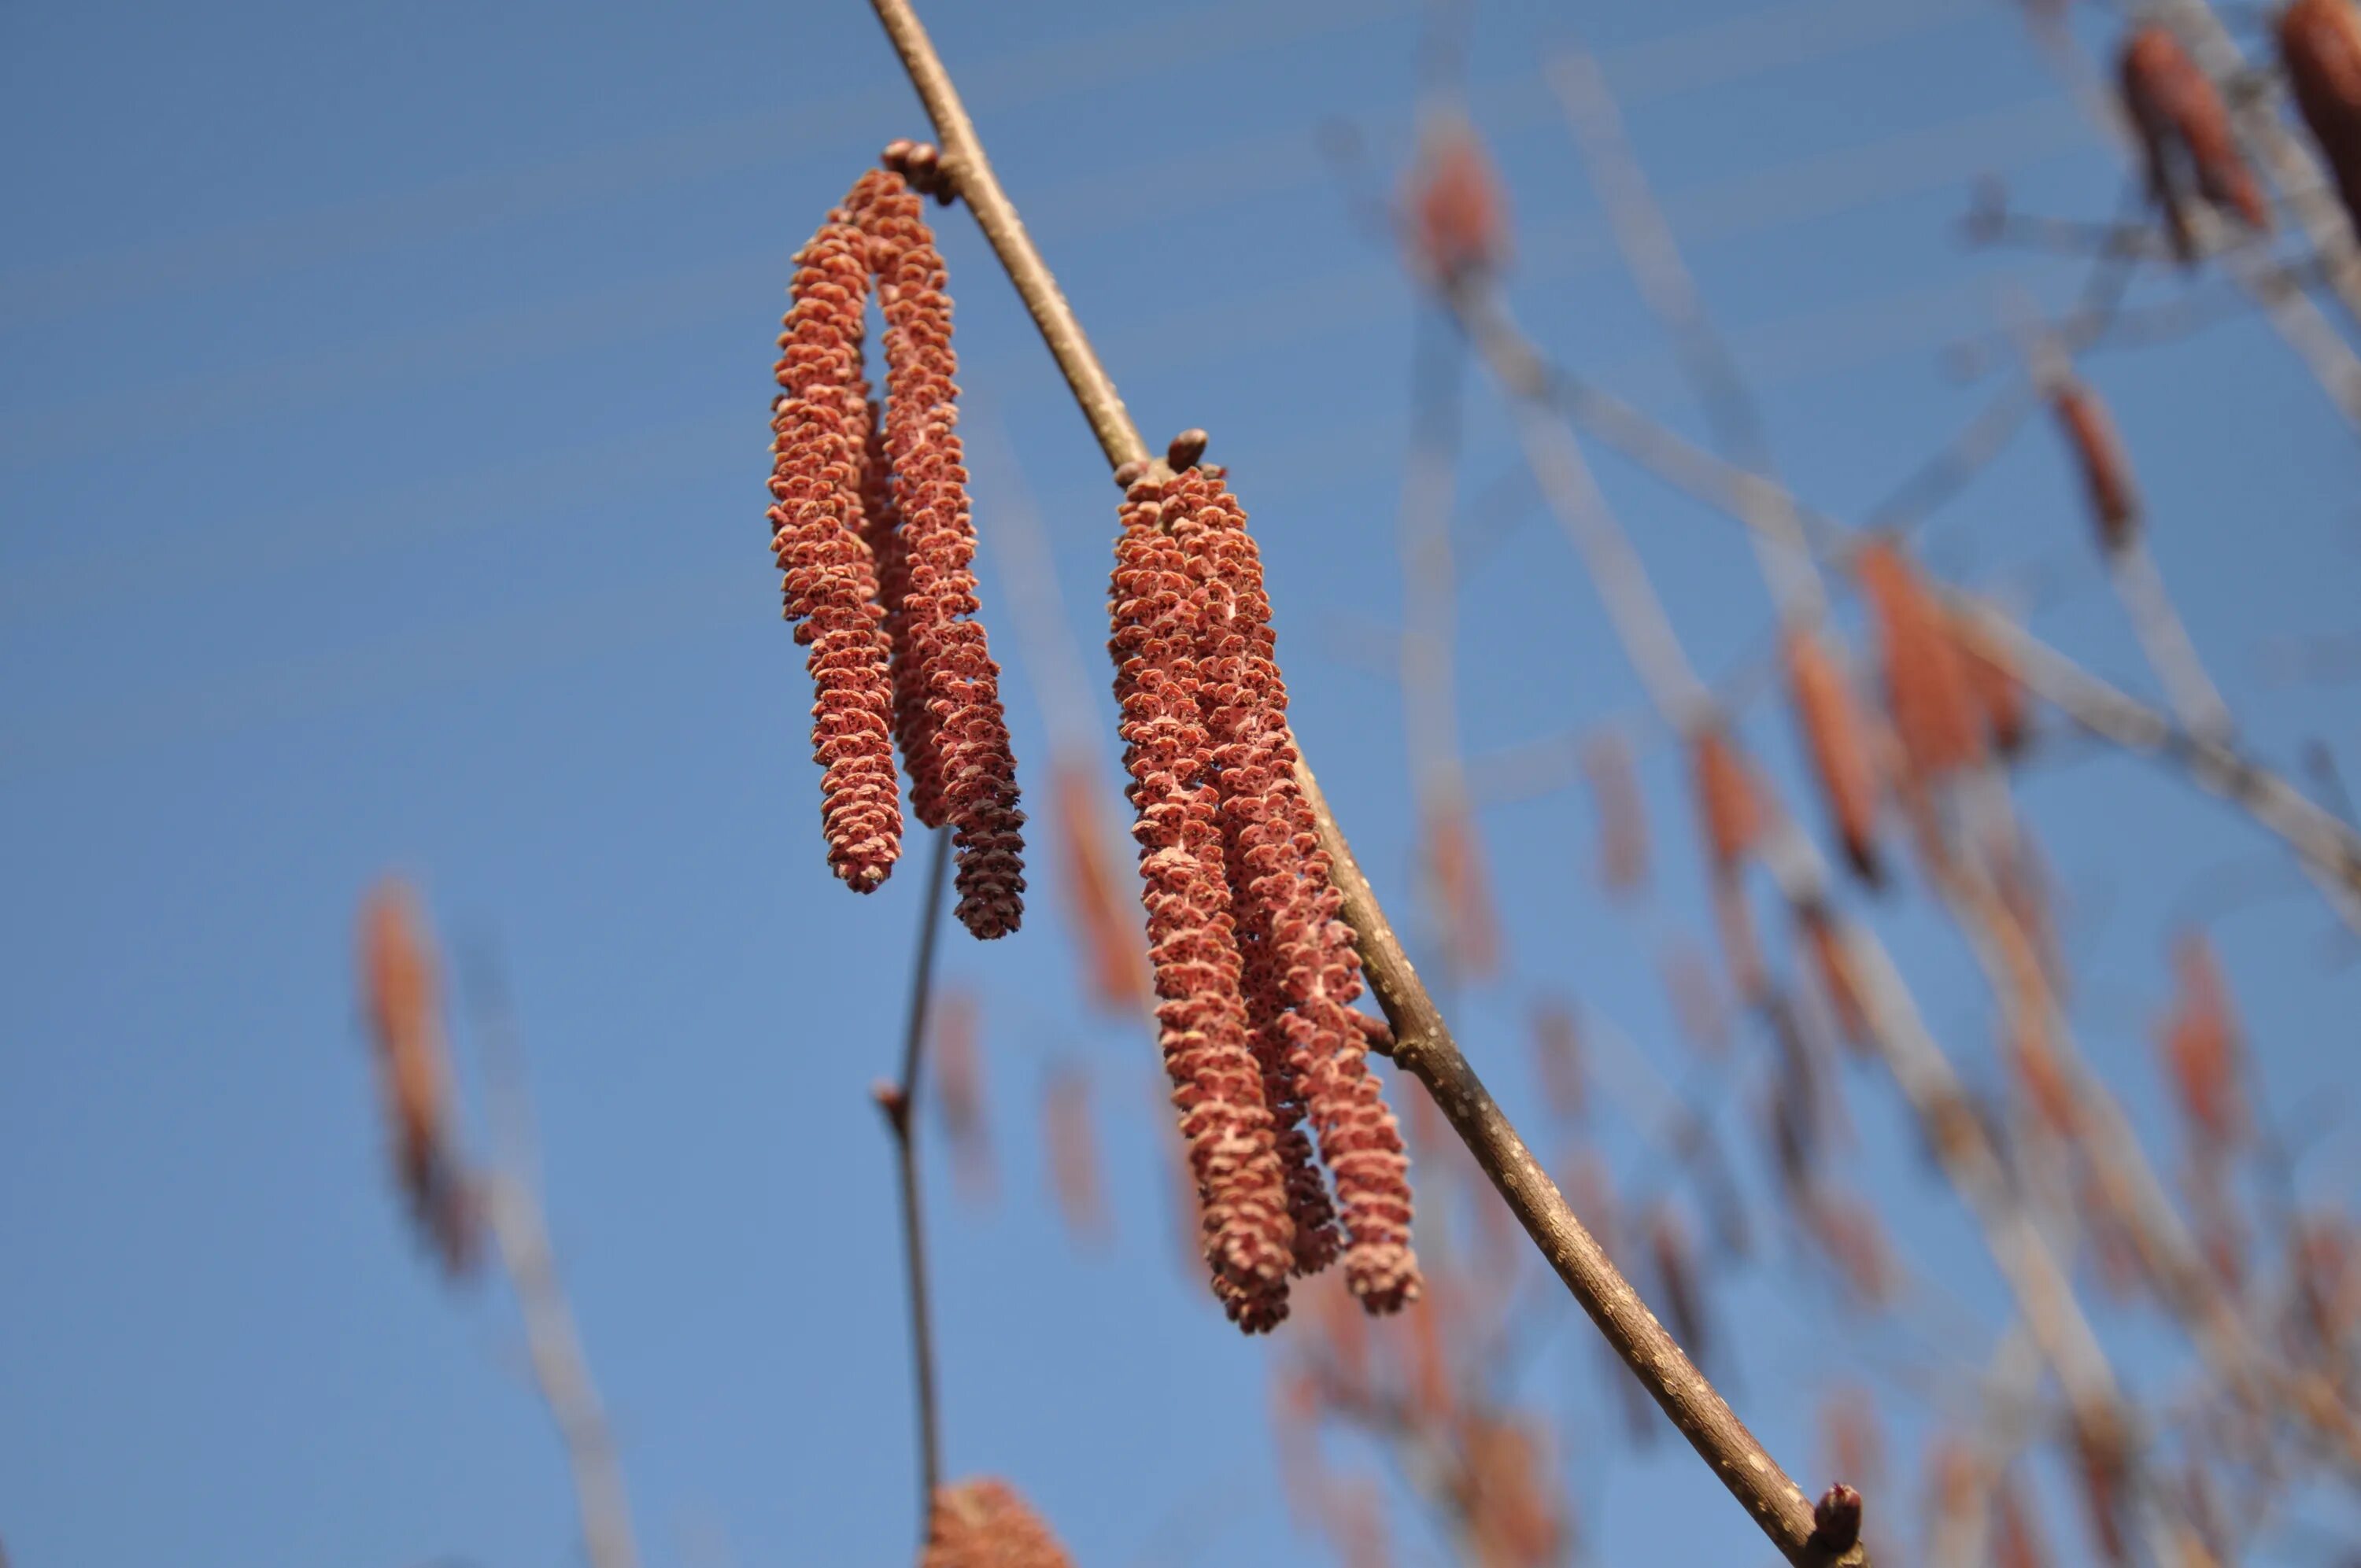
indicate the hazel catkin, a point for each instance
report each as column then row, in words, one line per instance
column 820, row 441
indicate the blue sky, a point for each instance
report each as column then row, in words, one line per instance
column 381, row 432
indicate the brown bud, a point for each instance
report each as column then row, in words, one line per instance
column 1836, row 1520
column 1186, row 448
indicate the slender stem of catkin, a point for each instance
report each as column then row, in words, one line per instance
column 899, row 1100
column 1424, row 1043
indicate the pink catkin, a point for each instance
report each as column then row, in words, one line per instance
column 1158, row 613
column 1300, row 999
column 830, row 583
column 953, row 733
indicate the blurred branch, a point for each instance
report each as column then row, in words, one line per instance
column 1923, row 1073
column 1424, row 1044
column 2332, row 849
column 512, row 1204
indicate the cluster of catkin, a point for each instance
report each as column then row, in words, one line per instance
column 871, row 528
column 1255, row 972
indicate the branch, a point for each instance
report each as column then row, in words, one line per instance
column 521, row 1234
column 1424, row 1046
column 899, row 1102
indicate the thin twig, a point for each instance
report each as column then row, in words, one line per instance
column 512, row 1204
column 1424, row 1045
column 899, row 1102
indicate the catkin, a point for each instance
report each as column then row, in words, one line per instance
column 819, row 451
column 1156, row 611
column 1926, row 690
column 1243, row 920
column 1836, row 737
column 2319, row 45
column 2099, row 454
column 962, row 768
column 985, row 1523
column 2185, row 134
column 401, row 1001
column 1282, row 885
column 1727, row 811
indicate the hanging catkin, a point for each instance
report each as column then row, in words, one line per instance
column 402, row 1003
column 1927, row 688
column 2099, row 454
column 956, row 744
column 1156, row 611
column 2319, row 45
column 2185, row 134
column 1192, row 624
column 1836, row 736
column 820, row 432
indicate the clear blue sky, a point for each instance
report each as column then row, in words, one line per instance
column 382, row 404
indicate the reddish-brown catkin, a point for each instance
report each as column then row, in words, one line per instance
column 2319, row 44
column 972, row 765
column 1926, row 690
column 1313, row 1045
column 1836, row 735
column 2185, row 134
column 1728, row 812
column 2201, row 1044
column 401, row 1001
column 2098, row 452
column 819, row 436
column 1157, row 610
column 985, row 1524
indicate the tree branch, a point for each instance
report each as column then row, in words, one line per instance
column 1424, row 1043
column 554, row 1346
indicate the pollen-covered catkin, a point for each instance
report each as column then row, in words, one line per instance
column 1313, row 1049
column 818, row 434
column 957, row 744
column 985, row 1523
column 1157, row 610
